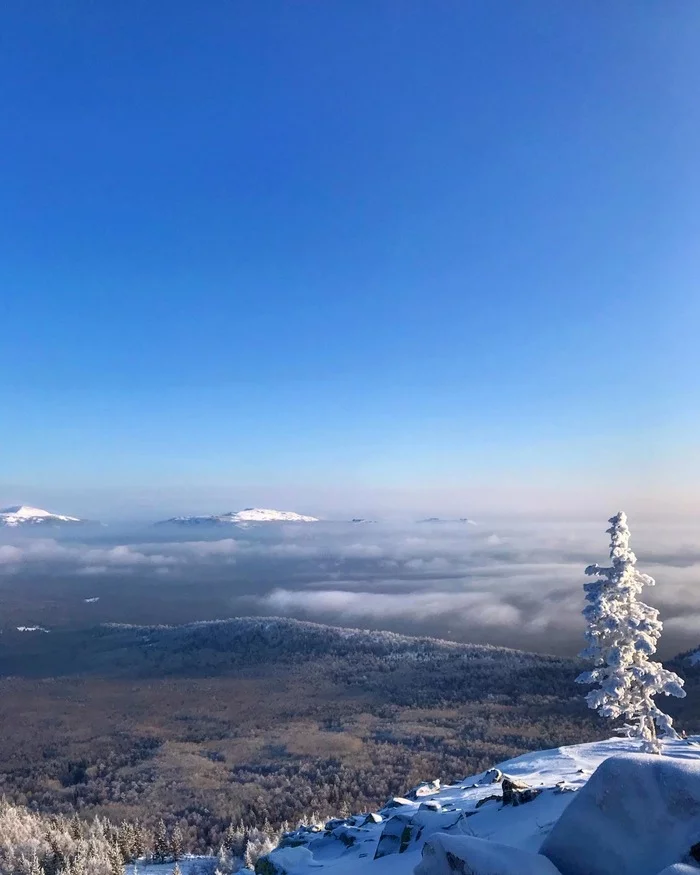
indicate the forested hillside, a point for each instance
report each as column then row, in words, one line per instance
column 247, row 721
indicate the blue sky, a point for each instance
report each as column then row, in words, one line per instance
column 363, row 254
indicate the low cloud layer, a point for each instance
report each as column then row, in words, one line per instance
column 503, row 583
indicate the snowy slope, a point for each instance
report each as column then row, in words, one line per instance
column 24, row 515
column 349, row 847
column 249, row 515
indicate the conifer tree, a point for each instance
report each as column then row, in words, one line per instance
column 176, row 843
column 115, row 860
column 622, row 635
column 140, row 843
column 160, row 842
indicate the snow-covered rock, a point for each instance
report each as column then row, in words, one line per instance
column 457, row 855
column 248, row 515
column 475, row 807
column 399, row 832
column 24, row 515
column 289, row 860
column 491, row 776
column 635, row 816
column 427, row 788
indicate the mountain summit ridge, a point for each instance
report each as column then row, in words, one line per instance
column 242, row 517
column 25, row 515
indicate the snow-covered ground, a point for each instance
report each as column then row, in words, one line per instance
column 376, row 845
column 189, row 865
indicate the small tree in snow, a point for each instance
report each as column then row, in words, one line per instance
column 622, row 634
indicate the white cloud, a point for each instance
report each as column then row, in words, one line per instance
column 522, row 581
column 478, row 607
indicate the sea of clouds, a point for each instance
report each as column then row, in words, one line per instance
column 509, row 582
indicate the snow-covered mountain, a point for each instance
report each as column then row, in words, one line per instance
column 598, row 809
column 24, row 515
column 248, row 515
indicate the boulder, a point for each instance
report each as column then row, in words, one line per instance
column 428, row 788
column 335, row 822
column 346, row 835
column 514, row 793
column 430, row 805
column 449, row 820
column 517, row 792
column 491, row 776
column 396, row 802
column 485, row 799
column 468, row 855
column 399, row 832
column 637, row 815
column 281, row 861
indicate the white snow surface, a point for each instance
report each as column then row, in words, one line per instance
column 606, row 829
column 480, row 857
column 189, row 865
column 24, row 515
column 348, row 846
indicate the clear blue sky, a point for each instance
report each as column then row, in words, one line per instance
column 324, row 252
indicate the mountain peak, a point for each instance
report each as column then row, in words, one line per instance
column 267, row 514
column 242, row 517
column 26, row 515
column 25, row 510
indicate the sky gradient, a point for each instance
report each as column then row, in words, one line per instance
column 380, row 256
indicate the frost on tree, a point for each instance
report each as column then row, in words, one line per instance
column 622, row 635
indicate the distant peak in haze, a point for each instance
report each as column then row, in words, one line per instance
column 436, row 519
column 248, row 515
column 25, row 515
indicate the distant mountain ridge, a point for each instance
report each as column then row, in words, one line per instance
column 24, row 515
column 435, row 519
column 247, row 515
column 217, row 646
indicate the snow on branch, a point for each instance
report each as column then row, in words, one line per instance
column 622, row 634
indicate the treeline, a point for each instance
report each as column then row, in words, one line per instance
column 35, row 844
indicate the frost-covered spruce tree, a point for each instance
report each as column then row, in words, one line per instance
column 622, row 635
